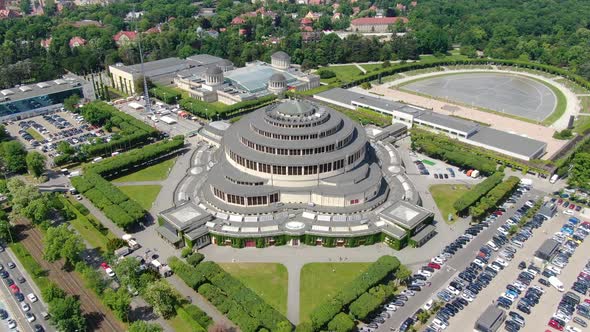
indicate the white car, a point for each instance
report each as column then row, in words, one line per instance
column 390, row 307
column 494, row 267
column 479, row 263
column 30, row 317
column 32, row 297
column 453, row 290
column 25, row 306
column 502, row 262
column 531, row 271
column 425, row 273
column 539, row 288
column 438, row 260
column 521, row 287
column 562, row 316
column 428, row 305
column 408, row 292
column 467, row 297
column 439, row 323
column 110, row 272
column 570, row 328
column 12, row 324
column 554, row 269
column 508, row 295
column 568, row 212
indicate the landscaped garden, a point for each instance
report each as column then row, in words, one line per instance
column 144, row 195
column 326, row 279
column 268, row 280
column 155, row 172
column 445, row 195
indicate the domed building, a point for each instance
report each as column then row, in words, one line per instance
column 277, row 83
column 296, row 172
column 225, row 65
column 214, row 76
column 280, row 60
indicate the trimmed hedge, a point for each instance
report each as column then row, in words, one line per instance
column 134, row 158
column 117, row 206
column 230, row 296
column 364, row 305
column 491, row 200
column 198, row 315
column 469, row 198
column 195, row 258
column 166, row 94
column 341, row 323
column 384, row 267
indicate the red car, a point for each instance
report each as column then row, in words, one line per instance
column 559, row 201
column 434, row 266
column 14, row 288
column 555, row 324
column 498, row 213
column 104, row 265
column 572, row 206
column 587, row 300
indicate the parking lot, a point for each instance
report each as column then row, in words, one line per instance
column 456, row 263
column 54, row 128
column 438, row 170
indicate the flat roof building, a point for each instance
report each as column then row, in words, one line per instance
column 547, row 250
column 29, row 100
column 464, row 130
column 490, row 320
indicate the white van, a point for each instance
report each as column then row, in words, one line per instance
column 492, row 245
column 556, row 283
column 554, row 178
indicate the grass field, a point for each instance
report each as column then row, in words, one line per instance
column 31, row 265
column 153, row 173
column 344, row 73
column 445, row 195
column 86, row 229
column 582, row 124
column 320, row 281
column 144, row 195
column 268, row 280
column 35, row 134
column 585, row 103
column 364, row 116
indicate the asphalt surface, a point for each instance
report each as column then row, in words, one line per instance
column 11, row 304
column 453, row 266
column 493, row 91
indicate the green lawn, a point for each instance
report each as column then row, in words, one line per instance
column 365, row 116
column 268, row 280
column 87, row 230
column 31, row 265
column 445, row 195
column 370, row 67
column 152, row 173
column 320, row 281
column 144, row 195
column 35, row 134
column 582, row 124
column 180, row 324
column 344, row 73
column 585, row 103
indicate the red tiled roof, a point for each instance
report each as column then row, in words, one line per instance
column 378, row 20
column 45, row 43
column 77, row 41
column 306, row 20
column 238, row 20
column 130, row 34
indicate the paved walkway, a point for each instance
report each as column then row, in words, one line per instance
column 363, row 70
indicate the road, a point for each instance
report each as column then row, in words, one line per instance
column 457, row 263
column 11, row 304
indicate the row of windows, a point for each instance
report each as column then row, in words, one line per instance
column 244, row 183
column 438, row 128
column 323, row 134
column 241, row 200
column 295, row 152
column 296, row 170
column 298, row 125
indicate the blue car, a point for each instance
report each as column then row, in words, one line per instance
column 574, row 220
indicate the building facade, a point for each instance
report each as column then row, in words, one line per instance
column 375, row 24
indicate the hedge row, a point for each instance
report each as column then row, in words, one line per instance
column 243, row 306
column 210, row 111
column 376, row 273
column 136, row 157
column 469, row 198
column 166, row 94
column 196, row 317
column 117, row 206
column 341, row 323
column 133, row 131
column 491, row 200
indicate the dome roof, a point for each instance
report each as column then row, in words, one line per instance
column 225, row 63
column 280, row 55
column 295, row 108
column 214, row 71
column 278, row 77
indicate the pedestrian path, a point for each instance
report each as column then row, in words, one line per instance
column 360, row 68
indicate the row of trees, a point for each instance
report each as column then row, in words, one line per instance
column 493, row 197
column 116, row 205
column 380, row 270
column 469, row 198
column 442, row 147
column 16, row 159
column 136, row 158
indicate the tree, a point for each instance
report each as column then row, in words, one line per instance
column 141, row 326
column 3, row 133
column 35, row 163
column 37, row 210
column 403, row 273
column 25, row 6
column 13, row 154
column 128, row 272
column 116, row 243
column 163, row 298
column 52, row 292
column 71, row 102
column 5, row 227
column 119, row 301
column 138, row 85
column 60, row 242
column 341, row 323
column 66, row 314
column 366, row 85
column 64, row 147
column 22, row 194
column 579, row 176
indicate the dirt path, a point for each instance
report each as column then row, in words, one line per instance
column 99, row 318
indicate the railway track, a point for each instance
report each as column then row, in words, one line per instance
column 98, row 317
